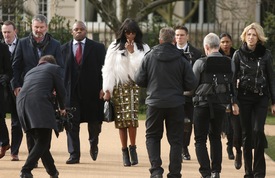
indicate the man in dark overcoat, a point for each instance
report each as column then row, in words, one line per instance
column 84, row 59
column 37, row 113
column 28, row 52
column 11, row 40
column 5, row 73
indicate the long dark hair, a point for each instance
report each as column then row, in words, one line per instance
column 129, row 25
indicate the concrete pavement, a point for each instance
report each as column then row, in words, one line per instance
column 109, row 162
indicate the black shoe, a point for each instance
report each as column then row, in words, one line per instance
column 72, row 160
column 185, row 154
column 157, row 176
column 206, row 177
column 94, row 152
column 126, row 157
column 56, row 175
column 230, row 153
column 238, row 160
column 215, row 175
column 133, row 154
column 26, row 175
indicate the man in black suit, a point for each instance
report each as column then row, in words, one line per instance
column 192, row 54
column 37, row 114
column 10, row 38
column 28, row 52
column 5, row 74
column 84, row 59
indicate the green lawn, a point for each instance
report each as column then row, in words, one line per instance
column 270, row 151
column 270, row 120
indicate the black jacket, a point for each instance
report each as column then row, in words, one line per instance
column 246, row 63
column 84, row 82
column 206, row 89
column 166, row 74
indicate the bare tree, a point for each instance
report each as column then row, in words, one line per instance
column 113, row 14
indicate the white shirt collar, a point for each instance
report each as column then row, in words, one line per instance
column 83, row 41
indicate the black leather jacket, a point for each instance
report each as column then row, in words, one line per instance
column 255, row 71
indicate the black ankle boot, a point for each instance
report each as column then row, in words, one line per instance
column 126, row 157
column 230, row 153
column 238, row 160
column 133, row 154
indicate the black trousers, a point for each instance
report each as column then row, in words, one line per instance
column 4, row 134
column 41, row 149
column 237, row 131
column 205, row 126
column 253, row 112
column 188, row 111
column 232, row 128
column 173, row 118
column 73, row 141
column 16, row 129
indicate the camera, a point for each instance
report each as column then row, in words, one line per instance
column 65, row 122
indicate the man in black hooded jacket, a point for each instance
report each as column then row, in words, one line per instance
column 166, row 74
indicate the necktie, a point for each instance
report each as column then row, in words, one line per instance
column 78, row 53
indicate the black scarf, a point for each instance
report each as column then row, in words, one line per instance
column 258, row 52
column 41, row 45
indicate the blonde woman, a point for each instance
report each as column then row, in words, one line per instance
column 254, row 69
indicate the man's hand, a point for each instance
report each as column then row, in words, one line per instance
column 16, row 91
column 62, row 112
column 273, row 109
column 235, row 109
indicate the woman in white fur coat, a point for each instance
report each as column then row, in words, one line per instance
column 122, row 60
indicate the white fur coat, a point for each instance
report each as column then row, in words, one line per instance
column 119, row 64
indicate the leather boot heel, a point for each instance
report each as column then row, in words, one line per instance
column 126, row 157
column 133, row 154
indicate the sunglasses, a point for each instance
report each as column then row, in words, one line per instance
column 129, row 32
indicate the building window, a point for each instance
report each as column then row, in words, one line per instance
column 205, row 12
column 43, row 8
column 90, row 12
column 8, row 10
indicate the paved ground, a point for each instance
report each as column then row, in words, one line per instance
column 109, row 162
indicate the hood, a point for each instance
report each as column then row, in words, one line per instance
column 166, row 52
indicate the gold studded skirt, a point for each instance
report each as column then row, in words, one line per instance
column 126, row 103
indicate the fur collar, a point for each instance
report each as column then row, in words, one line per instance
column 258, row 52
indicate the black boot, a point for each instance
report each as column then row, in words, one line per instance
column 230, row 153
column 133, row 154
column 185, row 154
column 126, row 157
column 238, row 160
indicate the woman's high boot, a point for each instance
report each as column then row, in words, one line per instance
column 133, row 154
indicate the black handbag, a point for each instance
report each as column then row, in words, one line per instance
column 109, row 112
